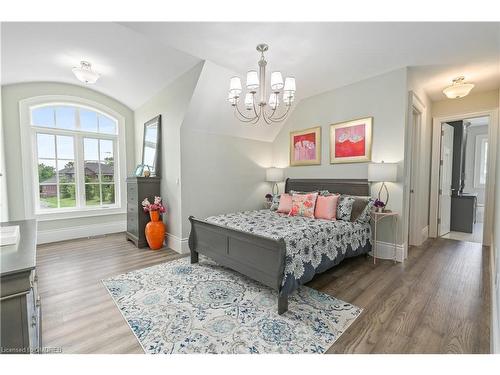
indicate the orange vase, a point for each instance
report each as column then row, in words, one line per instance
column 155, row 231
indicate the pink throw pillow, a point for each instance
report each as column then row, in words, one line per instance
column 326, row 207
column 303, row 205
column 285, row 204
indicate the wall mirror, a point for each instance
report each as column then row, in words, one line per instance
column 151, row 148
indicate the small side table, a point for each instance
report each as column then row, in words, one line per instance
column 378, row 216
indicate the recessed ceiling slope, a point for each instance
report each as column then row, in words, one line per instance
column 133, row 67
column 323, row 56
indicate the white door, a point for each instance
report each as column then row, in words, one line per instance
column 445, row 179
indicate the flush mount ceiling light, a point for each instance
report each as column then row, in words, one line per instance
column 85, row 74
column 257, row 81
column 458, row 89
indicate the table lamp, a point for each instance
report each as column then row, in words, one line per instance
column 383, row 172
column 274, row 175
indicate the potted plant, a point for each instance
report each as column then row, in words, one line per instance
column 379, row 205
column 155, row 229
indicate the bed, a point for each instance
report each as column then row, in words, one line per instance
column 279, row 251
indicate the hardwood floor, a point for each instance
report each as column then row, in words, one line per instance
column 437, row 302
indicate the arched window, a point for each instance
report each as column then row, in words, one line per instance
column 75, row 157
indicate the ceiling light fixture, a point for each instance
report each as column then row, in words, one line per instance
column 85, row 74
column 257, row 81
column 458, row 89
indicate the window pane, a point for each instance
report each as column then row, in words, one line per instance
column 67, row 196
column 65, row 117
column 66, row 170
column 88, row 120
column 106, row 125
column 108, row 193
column 65, row 147
column 43, row 116
column 91, row 171
column 90, row 149
column 107, row 160
column 47, row 171
column 48, row 196
column 46, row 146
column 92, row 195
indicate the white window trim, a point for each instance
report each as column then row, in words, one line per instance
column 480, row 138
column 28, row 151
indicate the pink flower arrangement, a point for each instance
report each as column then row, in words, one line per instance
column 156, row 206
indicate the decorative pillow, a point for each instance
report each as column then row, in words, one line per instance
column 326, row 207
column 366, row 215
column 275, row 202
column 344, row 208
column 358, row 206
column 303, row 205
column 285, row 204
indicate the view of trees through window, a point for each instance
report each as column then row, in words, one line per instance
column 75, row 168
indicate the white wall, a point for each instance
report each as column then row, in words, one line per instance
column 208, row 164
column 385, row 98
column 172, row 103
column 223, row 170
column 11, row 95
column 470, row 161
column 495, row 260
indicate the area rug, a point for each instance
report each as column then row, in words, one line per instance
column 177, row 307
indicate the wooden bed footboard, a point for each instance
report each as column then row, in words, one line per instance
column 260, row 258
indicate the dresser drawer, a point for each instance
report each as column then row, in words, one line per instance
column 131, row 192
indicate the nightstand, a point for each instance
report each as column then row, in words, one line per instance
column 378, row 216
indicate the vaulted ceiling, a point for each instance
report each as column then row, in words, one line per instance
column 137, row 59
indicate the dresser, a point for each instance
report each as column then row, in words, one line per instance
column 19, row 301
column 139, row 188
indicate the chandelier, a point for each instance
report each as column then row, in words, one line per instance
column 255, row 107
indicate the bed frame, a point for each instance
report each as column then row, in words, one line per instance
column 260, row 258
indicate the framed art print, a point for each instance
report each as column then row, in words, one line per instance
column 305, row 147
column 351, row 141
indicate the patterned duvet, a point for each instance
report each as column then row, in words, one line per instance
column 312, row 245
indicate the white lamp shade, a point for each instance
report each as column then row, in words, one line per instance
column 273, row 100
column 249, row 100
column 276, row 81
column 288, row 97
column 235, row 85
column 252, row 80
column 383, row 172
column 232, row 98
column 274, row 174
column 290, row 84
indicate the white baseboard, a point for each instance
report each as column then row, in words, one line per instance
column 385, row 250
column 425, row 234
column 177, row 244
column 81, row 231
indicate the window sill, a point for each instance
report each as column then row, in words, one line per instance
column 78, row 214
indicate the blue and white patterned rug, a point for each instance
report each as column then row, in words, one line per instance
column 177, row 307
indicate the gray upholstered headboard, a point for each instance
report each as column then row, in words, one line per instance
column 352, row 186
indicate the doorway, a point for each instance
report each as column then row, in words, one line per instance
column 463, row 178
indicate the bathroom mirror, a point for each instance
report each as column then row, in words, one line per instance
column 151, row 148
